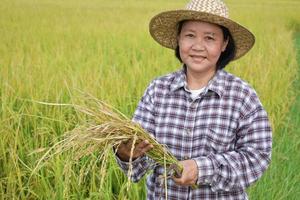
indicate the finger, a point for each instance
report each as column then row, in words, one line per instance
column 142, row 151
column 146, row 145
column 139, row 151
column 147, row 148
column 143, row 144
column 178, row 181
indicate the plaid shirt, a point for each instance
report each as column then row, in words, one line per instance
column 225, row 130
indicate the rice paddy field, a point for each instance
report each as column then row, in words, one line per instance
column 49, row 48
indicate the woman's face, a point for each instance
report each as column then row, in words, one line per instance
column 200, row 46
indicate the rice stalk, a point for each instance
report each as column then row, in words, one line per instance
column 101, row 129
column 67, row 173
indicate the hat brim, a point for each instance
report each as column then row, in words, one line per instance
column 163, row 28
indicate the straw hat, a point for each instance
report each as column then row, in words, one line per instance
column 163, row 27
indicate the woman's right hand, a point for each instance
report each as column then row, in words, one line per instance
column 124, row 150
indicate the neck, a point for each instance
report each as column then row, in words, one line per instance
column 198, row 80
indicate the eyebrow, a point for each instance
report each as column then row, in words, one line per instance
column 210, row 33
column 206, row 33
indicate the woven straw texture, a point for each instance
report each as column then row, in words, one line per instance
column 163, row 27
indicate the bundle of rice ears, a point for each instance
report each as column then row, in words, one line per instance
column 102, row 129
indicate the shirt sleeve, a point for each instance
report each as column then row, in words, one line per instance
column 252, row 154
column 145, row 112
column 144, row 115
column 139, row 167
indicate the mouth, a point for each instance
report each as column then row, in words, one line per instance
column 197, row 58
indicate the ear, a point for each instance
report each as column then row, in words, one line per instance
column 224, row 45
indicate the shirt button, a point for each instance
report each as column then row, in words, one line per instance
column 188, row 131
column 193, row 105
column 186, row 157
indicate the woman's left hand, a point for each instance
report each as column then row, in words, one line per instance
column 189, row 174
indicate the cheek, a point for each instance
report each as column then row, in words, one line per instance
column 183, row 49
column 215, row 52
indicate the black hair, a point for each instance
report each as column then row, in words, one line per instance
column 225, row 57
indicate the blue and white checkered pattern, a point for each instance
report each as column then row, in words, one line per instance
column 225, row 130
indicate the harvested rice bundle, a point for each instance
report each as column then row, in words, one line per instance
column 104, row 127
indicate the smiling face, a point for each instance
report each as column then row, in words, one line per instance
column 200, row 46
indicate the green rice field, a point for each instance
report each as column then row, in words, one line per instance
column 49, row 48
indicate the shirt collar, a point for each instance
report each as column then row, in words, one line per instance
column 179, row 80
column 216, row 84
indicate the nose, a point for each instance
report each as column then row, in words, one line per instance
column 198, row 45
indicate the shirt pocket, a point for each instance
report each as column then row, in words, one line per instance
column 220, row 140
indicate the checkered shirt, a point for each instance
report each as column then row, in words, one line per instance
column 225, row 130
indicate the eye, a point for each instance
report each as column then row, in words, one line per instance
column 210, row 38
column 189, row 35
